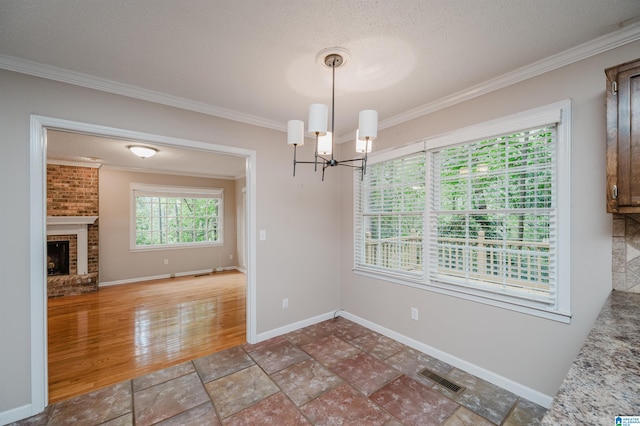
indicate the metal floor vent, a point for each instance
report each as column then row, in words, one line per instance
column 433, row 376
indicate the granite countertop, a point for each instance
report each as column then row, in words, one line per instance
column 604, row 380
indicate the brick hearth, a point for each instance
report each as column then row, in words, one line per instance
column 72, row 285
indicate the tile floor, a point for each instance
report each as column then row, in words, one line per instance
column 332, row 373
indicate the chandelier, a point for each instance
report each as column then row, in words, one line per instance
column 324, row 155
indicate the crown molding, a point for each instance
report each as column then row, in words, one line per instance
column 628, row 34
column 169, row 172
column 73, row 163
column 602, row 44
column 140, row 170
column 84, row 80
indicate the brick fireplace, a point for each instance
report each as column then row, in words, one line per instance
column 72, row 215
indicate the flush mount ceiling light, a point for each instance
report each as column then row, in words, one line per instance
column 366, row 133
column 142, row 151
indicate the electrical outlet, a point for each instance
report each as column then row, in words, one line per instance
column 285, row 303
column 230, row 257
column 414, row 314
column 166, row 261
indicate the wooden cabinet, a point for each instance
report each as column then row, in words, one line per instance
column 623, row 138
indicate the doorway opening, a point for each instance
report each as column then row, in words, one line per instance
column 39, row 127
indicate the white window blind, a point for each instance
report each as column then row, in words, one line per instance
column 389, row 216
column 493, row 216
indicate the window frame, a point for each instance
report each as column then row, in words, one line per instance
column 174, row 191
column 382, row 157
column 559, row 113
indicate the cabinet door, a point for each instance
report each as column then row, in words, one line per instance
column 623, row 138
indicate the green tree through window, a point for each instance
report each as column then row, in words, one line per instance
column 176, row 216
column 492, row 212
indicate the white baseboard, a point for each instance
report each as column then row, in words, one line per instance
column 164, row 276
column 491, row 377
column 15, row 414
column 293, row 327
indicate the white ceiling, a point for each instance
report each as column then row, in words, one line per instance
column 65, row 147
column 255, row 60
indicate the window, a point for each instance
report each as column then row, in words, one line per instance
column 493, row 215
column 496, row 210
column 390, row 204
column 175, row 216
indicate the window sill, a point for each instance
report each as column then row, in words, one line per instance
column 174, row 247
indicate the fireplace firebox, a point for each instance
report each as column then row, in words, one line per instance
column 58, row 258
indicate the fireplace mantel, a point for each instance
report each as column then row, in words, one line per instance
column 74, row 225
column 71, row 220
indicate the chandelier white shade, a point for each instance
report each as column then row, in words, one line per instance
column 318, row 116
column 295, row 132
column 368, row 125
column 324, row 144
column 143, row 151
column 366, row 133
column 362, row 145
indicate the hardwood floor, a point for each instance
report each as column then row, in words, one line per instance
column 124, row 331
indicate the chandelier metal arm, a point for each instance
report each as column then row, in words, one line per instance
column 332, row 162
column 309, row 162
column 350, row 161
column 362, row 166
column 315, row 167
column 295, row 150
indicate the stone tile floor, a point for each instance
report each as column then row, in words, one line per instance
column 332, row 373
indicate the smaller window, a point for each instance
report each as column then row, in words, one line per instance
column 163, row 216
column 390, row 205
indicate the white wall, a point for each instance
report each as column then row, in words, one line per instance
column 299, row 214
column 119, row 263
column 530, row 351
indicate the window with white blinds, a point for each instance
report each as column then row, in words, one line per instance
column 389, row 216
column 493, row 215
column 481, row 213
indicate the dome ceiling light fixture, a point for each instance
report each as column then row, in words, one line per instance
column 142, row 151
column 366, row 133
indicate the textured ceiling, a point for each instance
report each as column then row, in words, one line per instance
column 255, row 60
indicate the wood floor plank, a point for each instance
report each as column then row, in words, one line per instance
column 125, row 331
